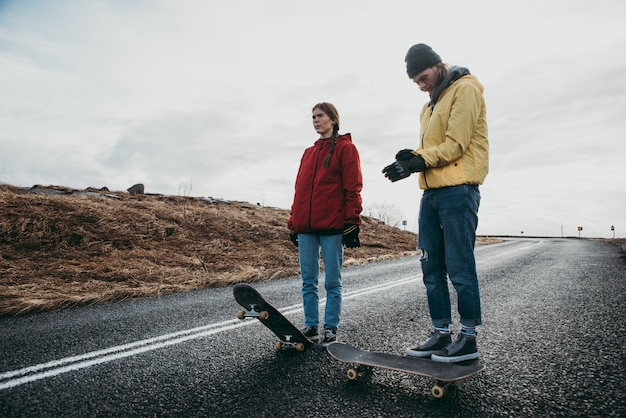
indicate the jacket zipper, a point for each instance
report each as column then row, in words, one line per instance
column 422, row 146
column 317, row 163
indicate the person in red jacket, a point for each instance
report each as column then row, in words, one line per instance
column 326, row 214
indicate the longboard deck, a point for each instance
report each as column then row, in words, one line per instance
column 255, row 306
column 447, row 373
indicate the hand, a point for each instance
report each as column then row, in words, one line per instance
column 351, row 236
column 401, row 169
column 397, row 170
column 404, row 154
column 293, row 237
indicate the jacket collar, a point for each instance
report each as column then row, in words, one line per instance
column 454, row 74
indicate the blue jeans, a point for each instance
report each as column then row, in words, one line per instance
column 448, row 219
column 332, row 254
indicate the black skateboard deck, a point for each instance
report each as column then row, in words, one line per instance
column 444, row 374
column 256, row 307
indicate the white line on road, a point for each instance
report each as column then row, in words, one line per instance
column 56, row 367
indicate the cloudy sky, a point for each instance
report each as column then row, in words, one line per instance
column 213, row 98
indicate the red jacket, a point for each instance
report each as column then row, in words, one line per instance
column 327, row 198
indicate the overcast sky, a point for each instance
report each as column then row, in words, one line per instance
column 213, row 98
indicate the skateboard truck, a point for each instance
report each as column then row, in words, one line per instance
column 438, row 390
column 287, row 344
column 253, row 312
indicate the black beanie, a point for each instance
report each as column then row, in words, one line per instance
column 419, row 58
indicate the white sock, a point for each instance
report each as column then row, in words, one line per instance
column 468, row 330
column 443, row 330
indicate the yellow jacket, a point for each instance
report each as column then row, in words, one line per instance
column 453, row 135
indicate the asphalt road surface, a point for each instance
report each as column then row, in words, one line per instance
column 552, row 342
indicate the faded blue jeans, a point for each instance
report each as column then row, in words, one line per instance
column 332, row 253
column 448, row 219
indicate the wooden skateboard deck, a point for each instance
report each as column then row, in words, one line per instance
column 256, row 307
column 361, row 361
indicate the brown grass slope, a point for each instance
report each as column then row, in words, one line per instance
column 81, row 247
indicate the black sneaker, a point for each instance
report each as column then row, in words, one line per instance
column 435, row 342
column 311, row 333
column 330, row 336
column 464, row 348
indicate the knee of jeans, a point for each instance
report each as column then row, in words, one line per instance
column 333, row 286
column 309, row 286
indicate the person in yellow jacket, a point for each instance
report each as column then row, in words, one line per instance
column 452, row 161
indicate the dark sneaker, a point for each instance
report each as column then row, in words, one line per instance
column 330, row 336
column 435, row 342
column 311, row 333
column 464, row 348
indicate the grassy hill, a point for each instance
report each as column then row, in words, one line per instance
column 62, row 247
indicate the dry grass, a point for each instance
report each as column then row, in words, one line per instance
column 83, row 247
column 86, row 247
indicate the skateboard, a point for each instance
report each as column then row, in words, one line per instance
column 444, row 374
column 290, row 337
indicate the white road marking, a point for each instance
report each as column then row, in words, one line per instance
column 56, row 367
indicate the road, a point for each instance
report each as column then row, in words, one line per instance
column 552, row 341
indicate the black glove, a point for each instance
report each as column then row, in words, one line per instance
column 404, row 154
column 401, row 169
column 351, row 236
column 293, row 237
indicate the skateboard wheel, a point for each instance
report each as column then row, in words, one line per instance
column 278, row 346
column 437, row 391
column 241, row 315
column 300, row 347
column 353, row 374
column 264, row 315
